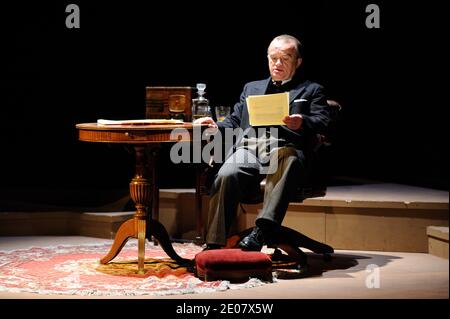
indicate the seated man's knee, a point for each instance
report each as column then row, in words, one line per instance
column 228, row 171
column 286, row 152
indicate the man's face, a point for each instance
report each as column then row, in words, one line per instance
column 283, row 60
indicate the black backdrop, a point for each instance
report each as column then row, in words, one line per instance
column 392, row 81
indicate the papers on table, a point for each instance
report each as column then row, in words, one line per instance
column 270, row 109
column 138, row 122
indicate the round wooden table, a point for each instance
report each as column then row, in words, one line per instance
column 146, row 141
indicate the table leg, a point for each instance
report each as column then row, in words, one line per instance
column 157, row 230
column 142, row 226
column 141, row 193
column 154, row 153
column 126, row 230
column 200, row 238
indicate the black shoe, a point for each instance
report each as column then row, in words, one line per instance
column 254, row 241
column 212, row 246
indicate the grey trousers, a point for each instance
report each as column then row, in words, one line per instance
column 241, row 175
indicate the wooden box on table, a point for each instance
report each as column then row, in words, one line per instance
column 157, row 102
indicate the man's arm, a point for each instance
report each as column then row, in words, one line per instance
column 319, row 117
column 294, row 121
column 234, row 119
column 231, row 121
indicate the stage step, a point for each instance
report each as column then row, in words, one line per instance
column 438, row 241
column 379, row 217
column 102, row 225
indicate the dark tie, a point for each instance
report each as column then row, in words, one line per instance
column 277, row 83
column 277, row 87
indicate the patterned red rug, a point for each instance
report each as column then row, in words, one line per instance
column 75, row 270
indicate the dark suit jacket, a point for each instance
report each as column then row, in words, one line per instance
column 306, row 98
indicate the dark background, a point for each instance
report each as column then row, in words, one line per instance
column 393, row 82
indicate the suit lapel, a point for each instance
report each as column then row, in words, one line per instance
column 260, row 89
column 295, row 92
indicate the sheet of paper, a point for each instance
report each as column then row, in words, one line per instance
column 268, row 109
column 138, row 122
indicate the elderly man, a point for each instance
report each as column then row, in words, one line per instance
column 289, row 154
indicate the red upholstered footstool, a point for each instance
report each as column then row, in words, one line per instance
column 234, row 265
